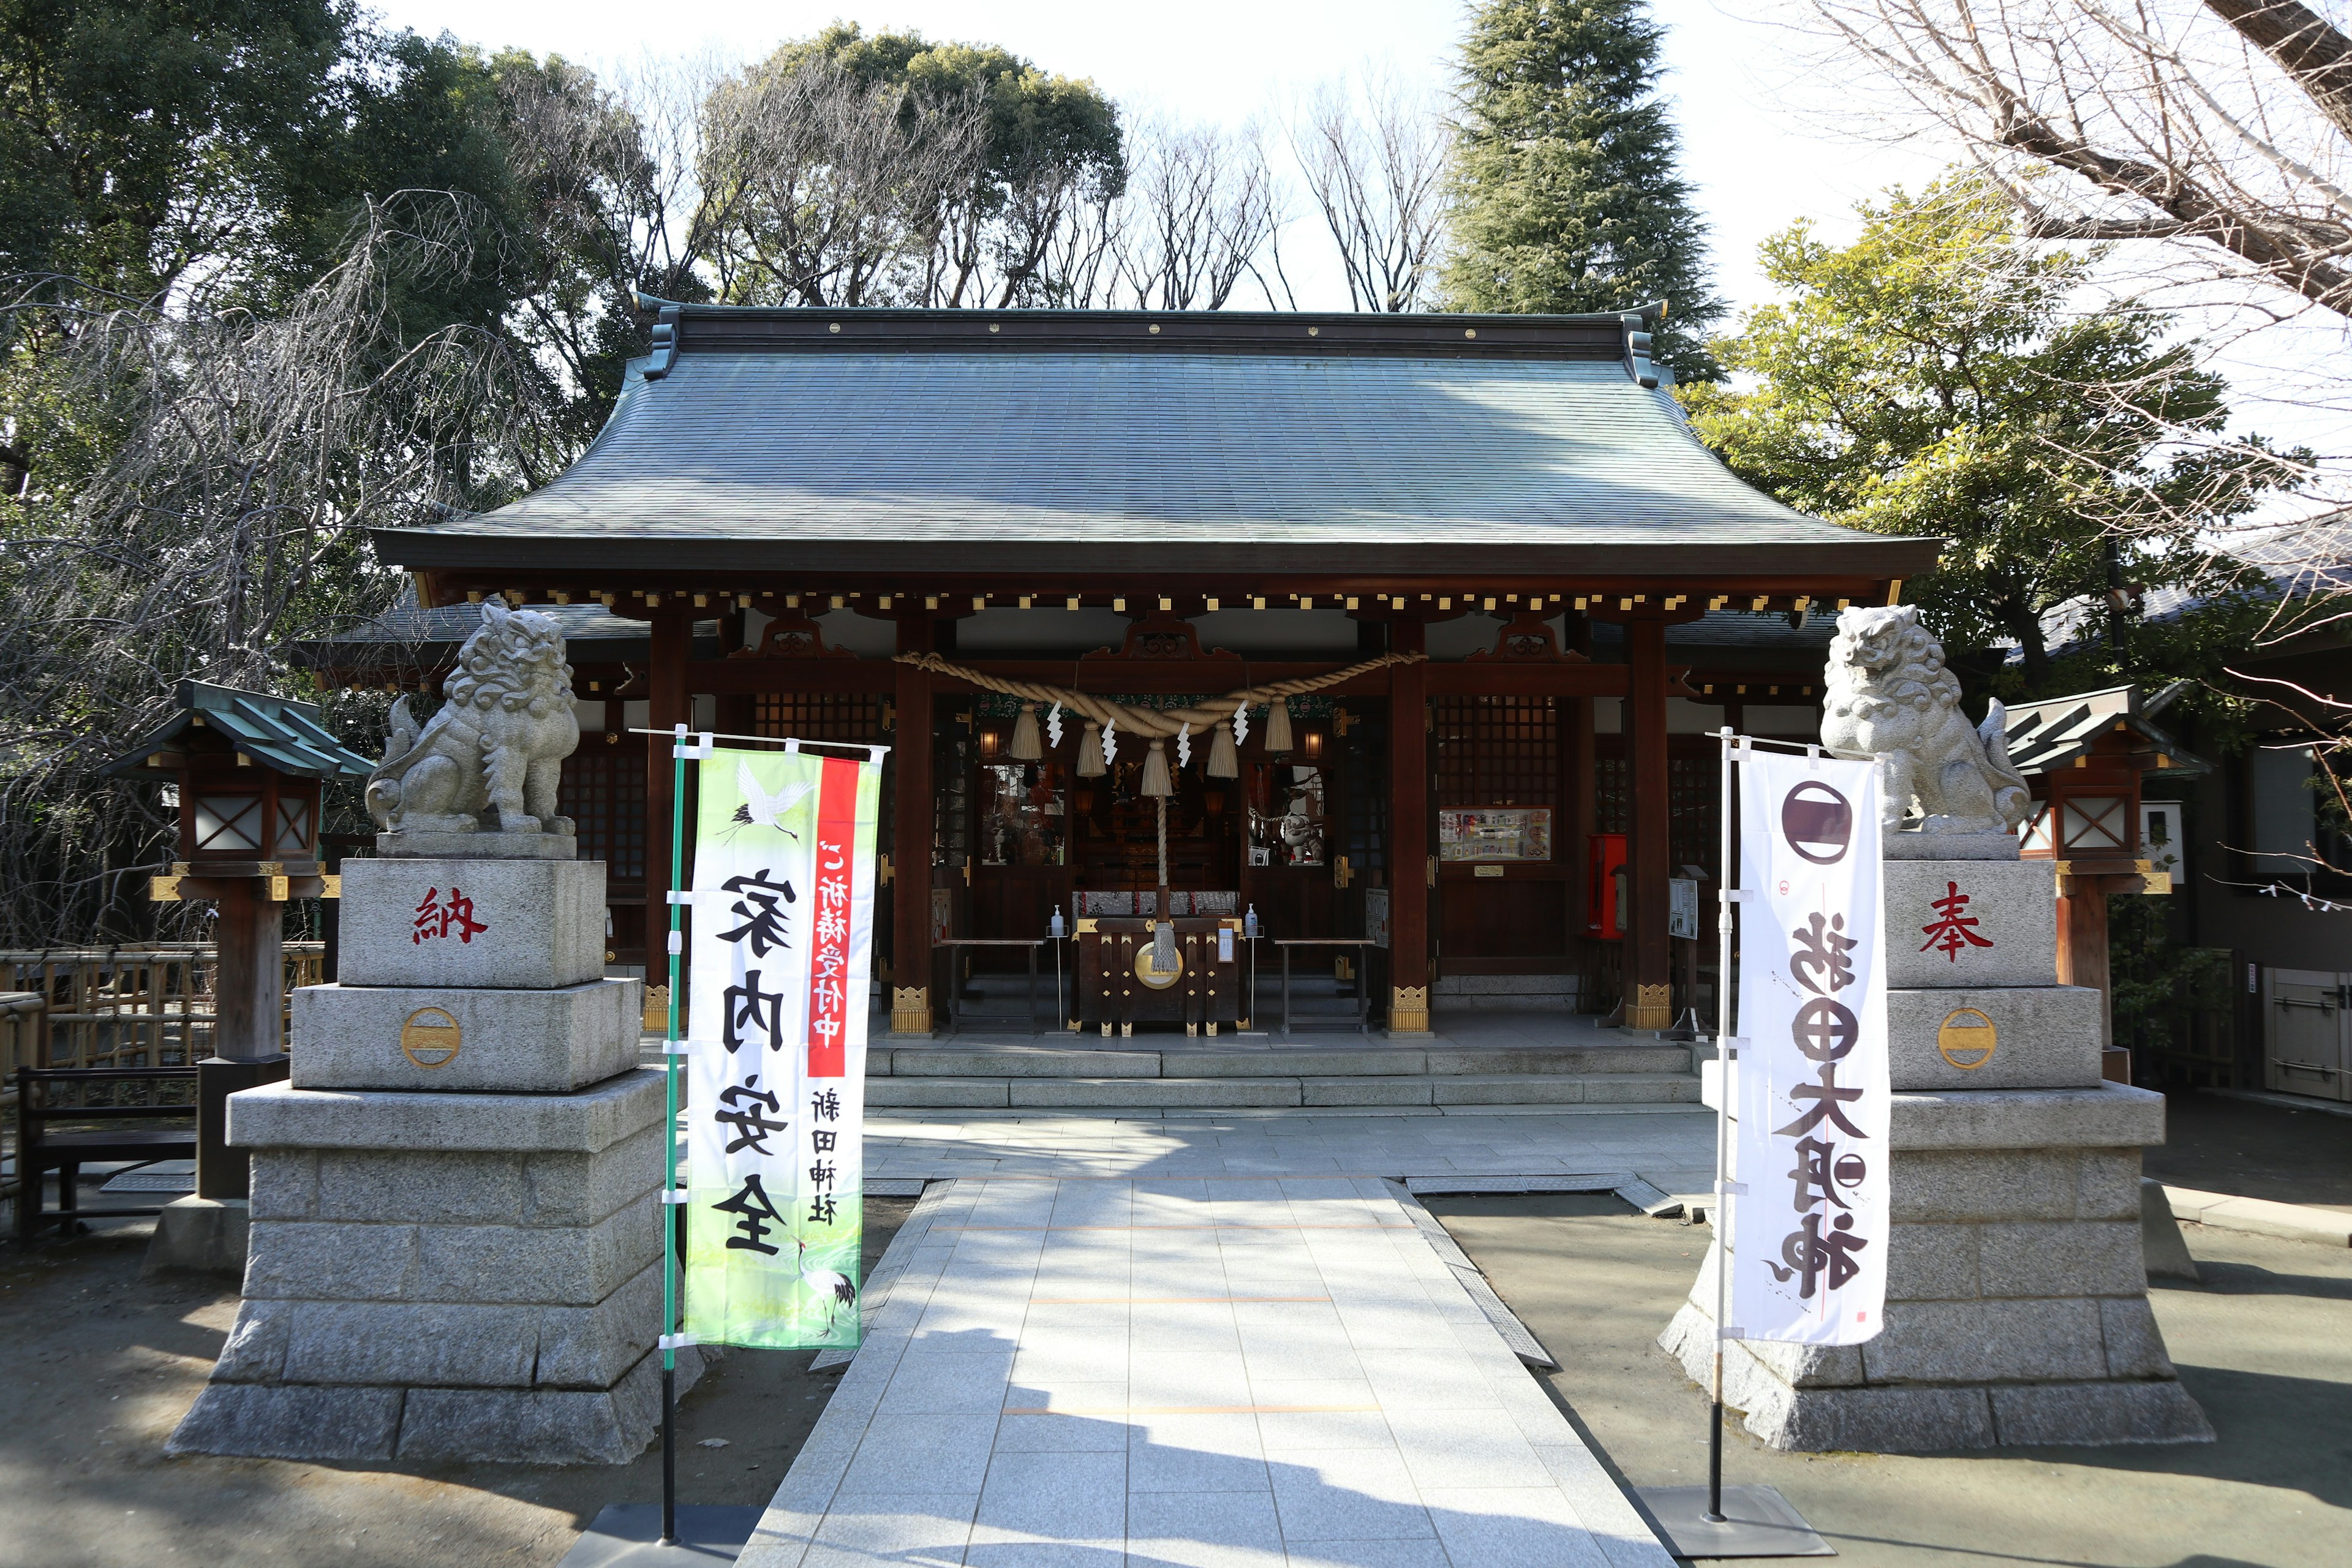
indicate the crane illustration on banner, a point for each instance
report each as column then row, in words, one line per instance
column 761, row 809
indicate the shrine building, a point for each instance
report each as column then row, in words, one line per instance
column 1155, row 506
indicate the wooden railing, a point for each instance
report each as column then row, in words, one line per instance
column 132, row 1007
column 20, row 1034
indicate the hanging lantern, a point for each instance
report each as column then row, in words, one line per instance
column 1024, row 747
column 1223, row 763
column 1155, row 770
column 1090, row 752
column 1277, row 727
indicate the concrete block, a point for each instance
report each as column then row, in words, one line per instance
column 2044, row 1037
column 319, row 1261
column 378, row 1343
column 273, row 1422
column 1877, row 1420
column 2112, row 1115
column 1505, row 1089
column 1299, row 1063
column 422, row 1187
column 1931, row 1263
column 592, row 1347
column 2013, row 902
column 1365, row 1090
column 1182, row 1093
column 2009, row 1183
column 1640, row 1088
column 543, row 1426
column 937, row 1093
column 279, row 1116
column 541, row 923
column 285, row 1184
column 1987, row 1342
column 582, row 1189
column 1020, row 1061
column 2099, row 1413
column 553, row 1267
column 2161, row 1246
column 442, row 1038
column 255, row 1350
column 2134, row 1344
column 1911, row 844
column 2261, row 1216
column 199, row 1236
column 2060, row 1257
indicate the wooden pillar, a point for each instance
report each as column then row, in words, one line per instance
column 737, row 711
column 250, row 980
column 1581, row 760
column 1649, row 959
column 911, row 903
column 2083, row 939
column 667, row 704
column 1410, row 875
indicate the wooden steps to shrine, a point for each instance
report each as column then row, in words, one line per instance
column 1187, row 1074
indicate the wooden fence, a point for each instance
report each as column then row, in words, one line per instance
column 132, row 1007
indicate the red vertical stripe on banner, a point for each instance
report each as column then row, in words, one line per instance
column 836, row 858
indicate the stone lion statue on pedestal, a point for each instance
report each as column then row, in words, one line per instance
column 1890, row 695
column 491, row 759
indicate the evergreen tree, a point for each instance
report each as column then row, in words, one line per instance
column 1566, row 190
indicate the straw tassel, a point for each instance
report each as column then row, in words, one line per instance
column 1155, row 770
column 1090, row 752
column 1224, row 762
column 1277, row 726
column 1026, row 748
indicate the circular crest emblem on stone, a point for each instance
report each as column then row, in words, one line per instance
column 430, row 1037
column 1967, row 1039
column 1817, row 821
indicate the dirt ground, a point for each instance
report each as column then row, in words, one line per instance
column 101, row 1364
column 2264, row 1344
column 2253, row 1150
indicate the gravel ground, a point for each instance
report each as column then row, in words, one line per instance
column 2264, row 1344
column 102, row 1363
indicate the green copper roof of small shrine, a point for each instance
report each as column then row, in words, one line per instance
column 838, row 440
column 275, row 731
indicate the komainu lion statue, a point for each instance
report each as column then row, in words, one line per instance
column 1890, row 695
column 492, row 757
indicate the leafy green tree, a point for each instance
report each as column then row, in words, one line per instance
column 1567, row 192
column 1939, row 377
column 144, row 143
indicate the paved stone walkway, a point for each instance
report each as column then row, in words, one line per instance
column 1213, row 1342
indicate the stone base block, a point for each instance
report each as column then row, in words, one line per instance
column 426, row 1424
column 280, row 1116
column 501, row 923
column 200, row 1235
column 1976, row 1037
column 2012, row 906
column 419, row 843
column 445, row 1038
column 1911, row 844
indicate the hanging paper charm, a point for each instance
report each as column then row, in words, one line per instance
column 1054, row 727
column 1110, row 744
column 1241, row 724
column 1184, row 746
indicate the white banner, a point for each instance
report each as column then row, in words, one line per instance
column 1809, row 1241
column 782, row 928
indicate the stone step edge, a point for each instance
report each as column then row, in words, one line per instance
column 2261, row 1216
column 1670, row 1061
column 1273, row 1093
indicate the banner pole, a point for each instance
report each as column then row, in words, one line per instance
column 1723, row 1048
column 669, row 1147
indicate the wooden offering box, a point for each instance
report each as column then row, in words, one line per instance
column 1116, row 987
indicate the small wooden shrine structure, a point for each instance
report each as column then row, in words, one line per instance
column 1164, row 508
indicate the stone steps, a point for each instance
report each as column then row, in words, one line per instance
column 996, row 1076
column 1275, row 1093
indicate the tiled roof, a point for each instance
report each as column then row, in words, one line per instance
column 2048, row 735
column 824, row 452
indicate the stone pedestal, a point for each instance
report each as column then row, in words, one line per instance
column 2017, row 1292
column 456, row 1225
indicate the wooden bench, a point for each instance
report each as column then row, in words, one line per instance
column 40, row 1151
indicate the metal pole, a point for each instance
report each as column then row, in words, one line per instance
column 670, row 1060
column 1726, row 876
